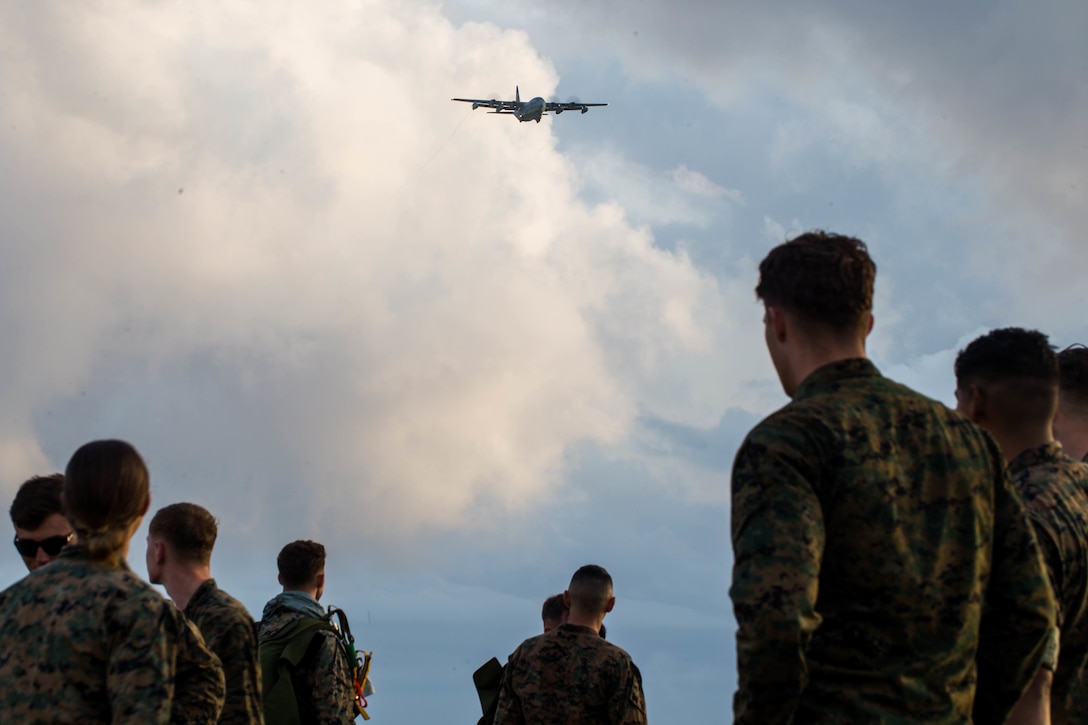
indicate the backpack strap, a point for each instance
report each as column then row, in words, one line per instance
column 280, row 656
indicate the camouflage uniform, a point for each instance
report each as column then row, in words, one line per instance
column 570, row 676
column 868, row 524
column 1054, row 488
column 85, row 642
column 325, row 691
column 231, row 634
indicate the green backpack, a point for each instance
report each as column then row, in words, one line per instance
column 282, row 654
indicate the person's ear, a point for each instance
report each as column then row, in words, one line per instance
column 279, row 578
column 566, row 598
column 319, row 581
column 778, row 322
column 611, row 603
column 973, row 402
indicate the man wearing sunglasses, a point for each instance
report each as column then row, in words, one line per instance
column 41, row 530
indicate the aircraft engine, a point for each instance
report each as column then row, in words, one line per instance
column 475, row 106
column 584, row 109
column 558, row 111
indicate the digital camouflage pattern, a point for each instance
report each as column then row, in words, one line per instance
column 1054, row 489
column 231, row 634
column 85, row 642
column 869, row 522
column 570, row 676
column 324, row 688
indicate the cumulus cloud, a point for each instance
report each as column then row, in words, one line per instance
column 242, row 232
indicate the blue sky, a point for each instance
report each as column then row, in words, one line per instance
column 471, row 355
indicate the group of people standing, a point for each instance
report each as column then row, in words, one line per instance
column 894, row 560
column 84, row 639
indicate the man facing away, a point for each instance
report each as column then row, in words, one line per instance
column 179, row 551
column 554, row 612
column 571, row 674
column 1007, row 383
column 869, row 524
column 1071, row 420
column 321, row 680
column 41, row 530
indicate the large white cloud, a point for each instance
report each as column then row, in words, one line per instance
column 264, row 226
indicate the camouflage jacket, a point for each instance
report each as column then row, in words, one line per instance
column 231, row 634
column 869, row 524
column 324, row 688
column 570, row 676
column 87, row 642
column 1054, row 488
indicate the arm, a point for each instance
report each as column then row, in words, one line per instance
column 1018, row 617
column 199, row 685
column 627, row 705
column 778, row 542
column 140, row 668
column 237, row 648
column 509, row 709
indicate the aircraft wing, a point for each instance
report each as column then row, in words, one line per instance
column 557, row 108
column 496, row 106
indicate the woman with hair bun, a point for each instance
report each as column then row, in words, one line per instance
column 84, row 639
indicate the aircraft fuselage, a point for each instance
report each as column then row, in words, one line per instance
column 531, row 110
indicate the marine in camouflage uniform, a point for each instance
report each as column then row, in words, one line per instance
column 1054, row 489
column 322, row 684
column 570, row 675
column 869, row 524
column 231, row 634
column 90, row 642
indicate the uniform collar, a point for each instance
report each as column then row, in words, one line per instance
column 1047, row 453
column 204, row 591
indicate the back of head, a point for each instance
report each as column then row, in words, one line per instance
column 1018, row 370
column 554, row 612
column 825, row 279
column 1073, row 380
column 590, row 589
column 300, row 562
column 106, row 491
column 36, row 500
column 188, row 529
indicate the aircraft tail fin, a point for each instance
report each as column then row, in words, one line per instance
column 517, row 94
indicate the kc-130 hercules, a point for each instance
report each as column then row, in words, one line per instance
column 527, row 110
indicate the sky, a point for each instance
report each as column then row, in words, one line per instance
column 469, row 355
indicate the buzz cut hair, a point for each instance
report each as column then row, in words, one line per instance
column 37, row 499
column 1019, row 367
column 300, row 562
column 590, row 589
column 824, row 278
column 1073, row 378
column 190, row 530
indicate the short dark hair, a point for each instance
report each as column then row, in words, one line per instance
column 300, row 562
column 826, row 279
column 590, row 588
column 554, row 608
column 1073, row 376
column 190, row 530
column 37, row 499
column 1022, row 362
column 106, row 490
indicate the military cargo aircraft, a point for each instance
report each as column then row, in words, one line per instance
column 530, row 110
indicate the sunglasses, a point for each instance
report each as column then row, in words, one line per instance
column 51, row 546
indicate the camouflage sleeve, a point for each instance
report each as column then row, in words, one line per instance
column 778, row 542
column 509, row 708
column 329, row 679
column 628, row 707
column 199, row 685
column 140, row 670
column 1018, row 618
column 237, row 648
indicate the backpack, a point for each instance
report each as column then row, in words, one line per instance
column 282, row 654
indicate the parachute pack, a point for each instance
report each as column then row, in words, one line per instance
column 282, row 654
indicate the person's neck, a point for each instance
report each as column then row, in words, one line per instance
column 1013, row 442
column 809, row 359
column 181, row 583
column 1075, row 443
column 593, row 621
